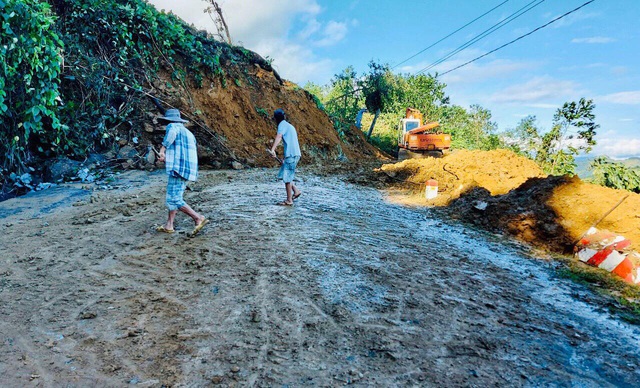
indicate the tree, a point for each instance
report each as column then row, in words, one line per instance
column 29, row 84
column 614, row 175
column 423, row 92
column 573, row 131
column 343, row 99
column 525, row 138
column 378, row 86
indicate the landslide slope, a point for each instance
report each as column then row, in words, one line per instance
column 118, row 56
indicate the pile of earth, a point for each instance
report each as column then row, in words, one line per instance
column 552, row 212
column 501, row 191
column 497, row 171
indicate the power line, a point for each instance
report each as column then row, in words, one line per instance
column 479, row 17
column 520, row 37
column 486, row 33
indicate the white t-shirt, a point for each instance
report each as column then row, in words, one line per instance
column 289, row 138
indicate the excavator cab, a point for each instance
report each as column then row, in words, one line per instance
column 416, row 140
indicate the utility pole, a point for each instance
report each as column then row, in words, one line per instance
column 215, row 13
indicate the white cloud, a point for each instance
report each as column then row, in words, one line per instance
column 617, row 147
column 311, row 28
column 624, row 98
column 620, row 70
column 572, row 19
column 545, row 90
column 593, row 40
column 472, row 73
column 296, row 62
column 333, row 33
column 543, row 106
column 266, row 27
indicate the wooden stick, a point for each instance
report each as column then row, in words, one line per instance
column 602, row 218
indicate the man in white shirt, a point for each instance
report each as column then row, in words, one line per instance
column 289, row 137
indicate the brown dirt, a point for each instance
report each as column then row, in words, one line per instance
column 498, row 171
column 554, row 212
column 231, row 118
column 549, row 212
column 343, row 288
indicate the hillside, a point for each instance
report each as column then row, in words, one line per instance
column 106, row 60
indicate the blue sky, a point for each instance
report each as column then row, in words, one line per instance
column 592, row 53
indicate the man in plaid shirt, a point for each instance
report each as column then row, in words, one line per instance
column 180, row 155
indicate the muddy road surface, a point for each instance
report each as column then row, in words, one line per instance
column 343, row 288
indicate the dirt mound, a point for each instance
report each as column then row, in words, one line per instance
column 500, row 191
column 552, row 212
column 240, row 114
column 497, row 171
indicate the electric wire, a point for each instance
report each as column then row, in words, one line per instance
column 435, row 43
column 520, row 37
column 485, row 33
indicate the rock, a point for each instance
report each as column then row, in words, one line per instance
column 86, row 176
column 127, row 152
column 88, row 315
column 151, row 157
column 217, row 379
column 236, row 165
column 95, row 159
column 235, row 369
column 63, row 168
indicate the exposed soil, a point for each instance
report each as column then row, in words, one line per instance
column 554, row 212
column 232, row 119
column 344, row 287
column 549, row 212
column 497, row 171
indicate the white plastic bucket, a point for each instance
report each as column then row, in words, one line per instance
column 431, row 189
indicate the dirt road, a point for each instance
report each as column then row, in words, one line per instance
column 345, row 287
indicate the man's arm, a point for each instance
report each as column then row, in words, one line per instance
column 277, row 141
column 169, row 138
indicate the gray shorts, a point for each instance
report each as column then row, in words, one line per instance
column 288, row 169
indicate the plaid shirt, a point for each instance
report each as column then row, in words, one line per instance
column 181, row 155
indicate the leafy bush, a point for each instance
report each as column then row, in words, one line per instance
column 74, row 72
column 614, row 175
column 29, row 86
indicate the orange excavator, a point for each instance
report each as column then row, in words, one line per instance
column 417, row 141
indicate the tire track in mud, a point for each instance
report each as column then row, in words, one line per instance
column 341, row 288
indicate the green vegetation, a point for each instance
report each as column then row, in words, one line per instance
column 263, row 112
column 573, row 131
column 387, row 96
column 74, row 73
column 614, row 175
column 29, row 82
